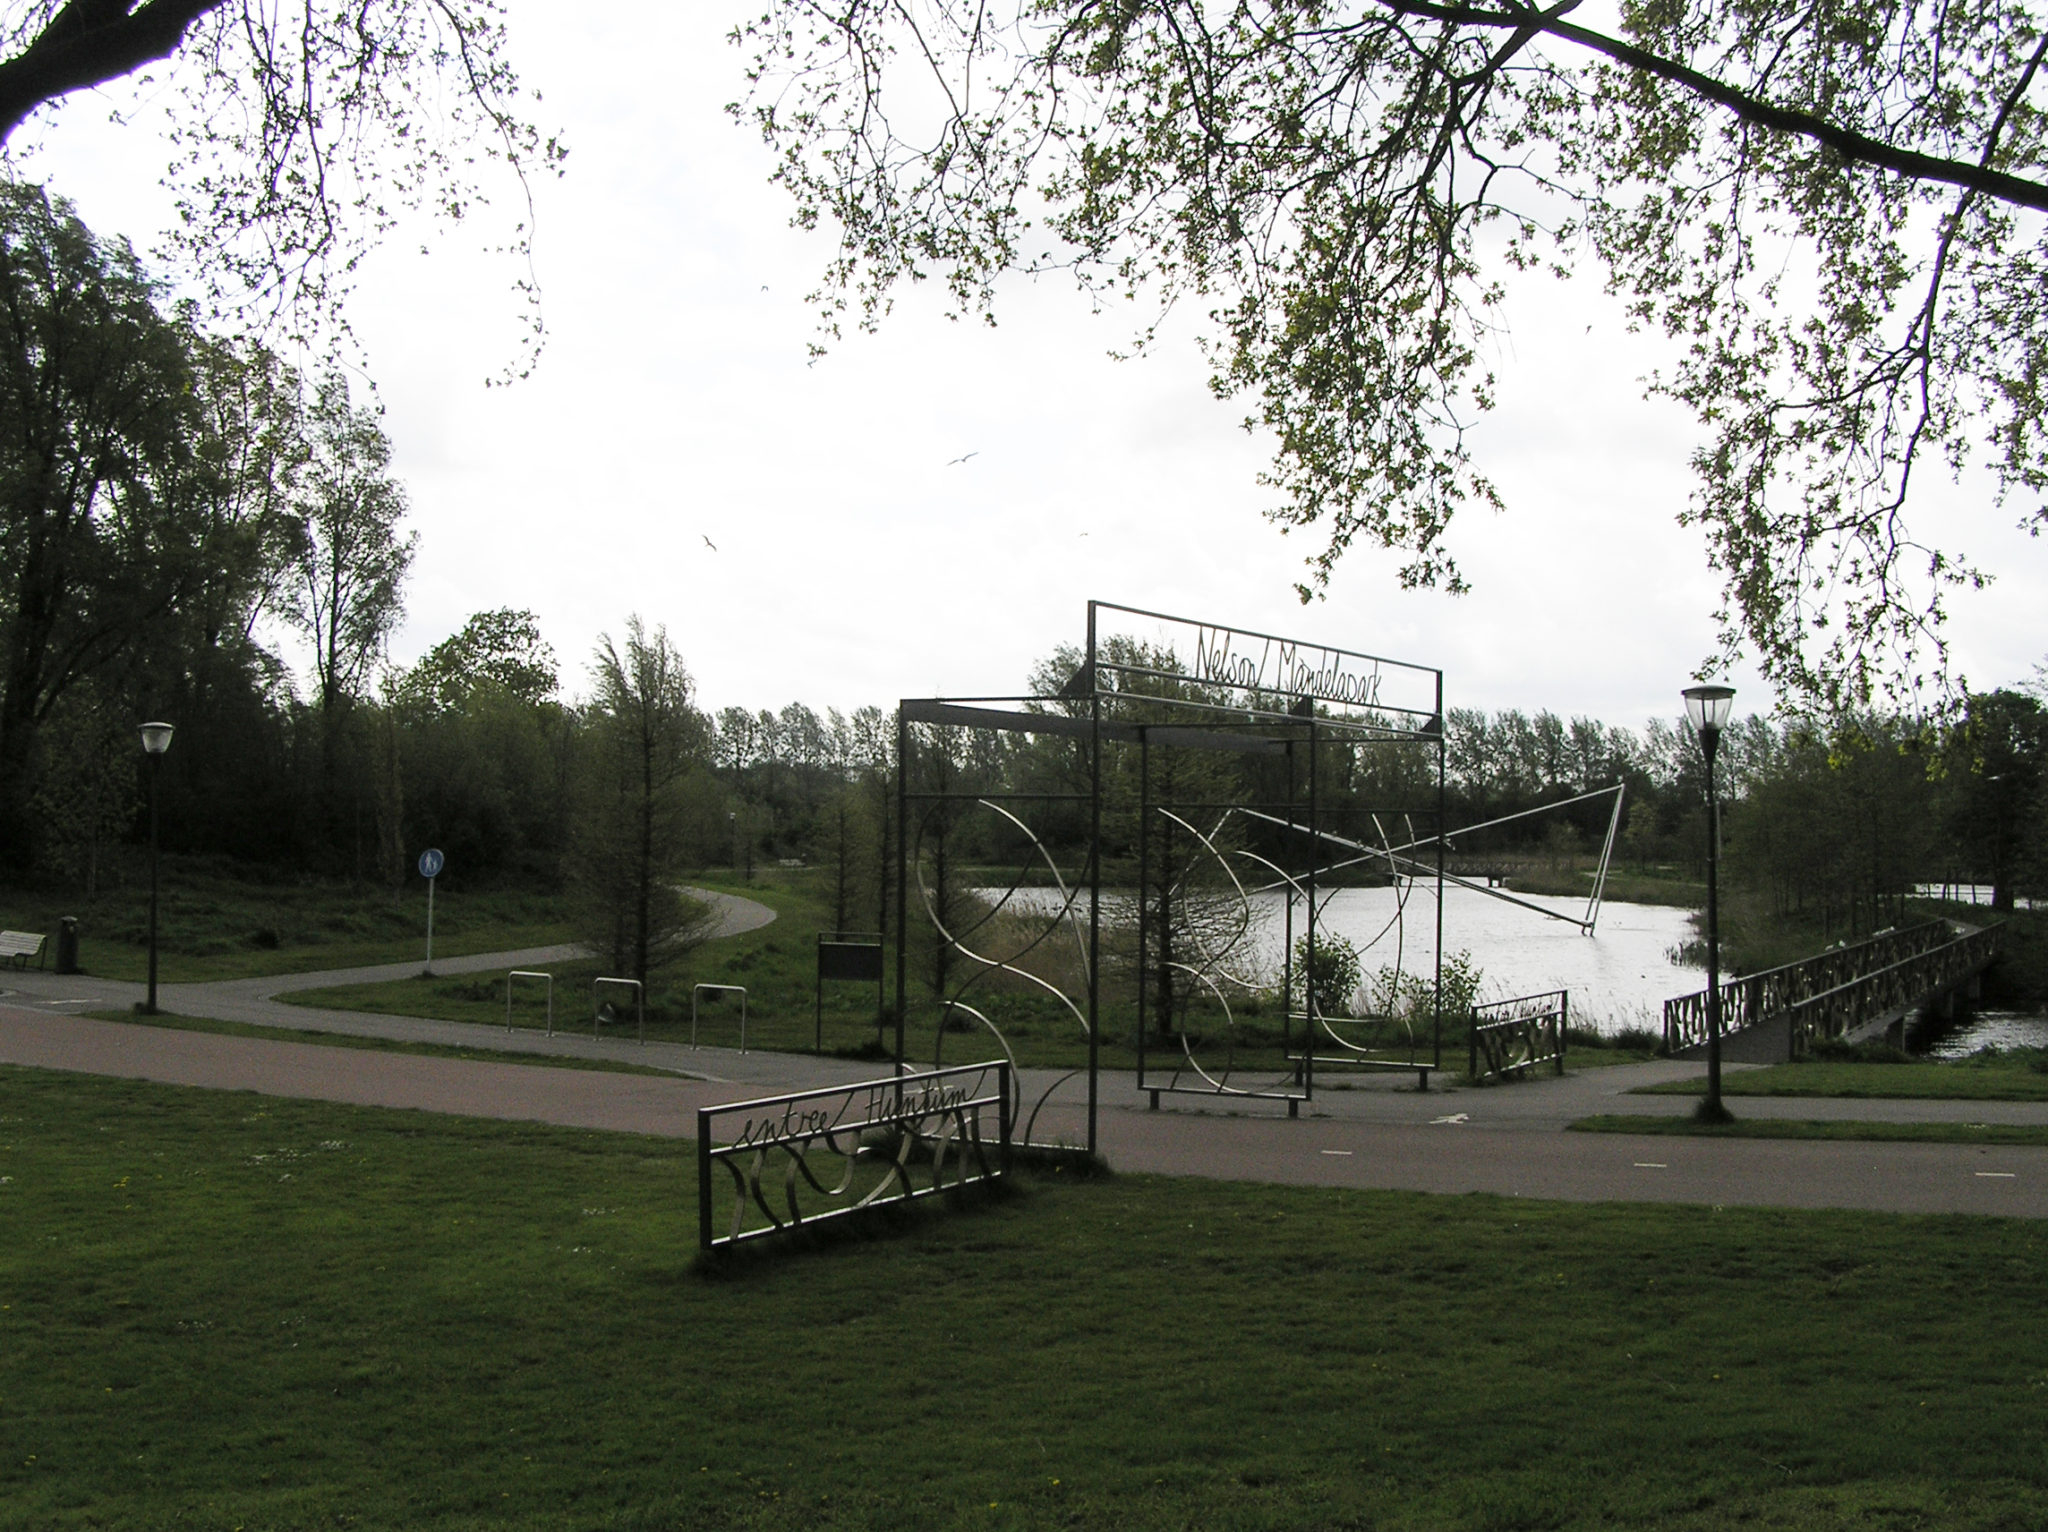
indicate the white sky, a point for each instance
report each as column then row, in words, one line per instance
column 855, row 562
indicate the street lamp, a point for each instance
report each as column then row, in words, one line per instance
column 156, row 739
column 1706, row 709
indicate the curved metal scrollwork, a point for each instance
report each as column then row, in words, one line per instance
column 815, row 1155
column 1064, row 916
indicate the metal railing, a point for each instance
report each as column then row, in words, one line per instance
column 1509, row 1036
column 1756, row 997
column 726, row 989
column 528, row 973
column 816, row 1155
column 1891, row 989
column 1747, row 1000
column 598, row 1012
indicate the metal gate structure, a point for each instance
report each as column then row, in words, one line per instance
column 1113, row 855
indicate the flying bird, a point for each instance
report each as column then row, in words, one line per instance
column 963, row 458
column 709, row 543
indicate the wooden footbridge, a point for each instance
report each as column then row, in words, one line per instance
column 1862, row 990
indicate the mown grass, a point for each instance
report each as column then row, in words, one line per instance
column 225, row 1311
column 235, row 923
column 375, row 1044
column 1780, row 1127
column 777, row 965
column 1983, row 1077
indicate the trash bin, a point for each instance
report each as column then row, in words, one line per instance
column 67, row 944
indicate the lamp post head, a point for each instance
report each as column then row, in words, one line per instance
column 156, row 738
column 1707, row 709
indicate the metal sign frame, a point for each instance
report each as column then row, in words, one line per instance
column 1241, row 692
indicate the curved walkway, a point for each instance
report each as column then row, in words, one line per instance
column 1366, row 1133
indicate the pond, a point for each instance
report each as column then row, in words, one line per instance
column 1620, row 976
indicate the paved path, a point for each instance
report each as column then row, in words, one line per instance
column 1373, row 1132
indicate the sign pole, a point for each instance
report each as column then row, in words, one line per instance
column 431, row 863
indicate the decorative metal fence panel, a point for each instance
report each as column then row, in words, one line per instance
column 1510, row 1036
column 816, row 1155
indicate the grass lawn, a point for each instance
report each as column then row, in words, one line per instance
column 380, row 1044
column 224, row 1310
column 777, row 966
column 1779, row 1127
column 1985, row 1077
column 233, row 925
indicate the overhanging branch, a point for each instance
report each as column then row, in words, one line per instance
column 1846, row 142
column 91, row 42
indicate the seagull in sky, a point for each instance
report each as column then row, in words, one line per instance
column 709, row 543
column 963, row 458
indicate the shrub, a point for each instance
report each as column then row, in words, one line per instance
column 1332, row 979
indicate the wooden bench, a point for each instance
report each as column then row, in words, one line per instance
column 17, row 947
column 1331, row 1062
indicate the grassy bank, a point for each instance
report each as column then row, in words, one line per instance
column 2016, row 1076
column 314, row 1037
column 1778, row 1127
column 233, row 1311
column 1649, row 886
column 776, row 964
column 233, row 923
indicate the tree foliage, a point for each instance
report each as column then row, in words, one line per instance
column 499, row 651
column 350, row 565
column 95, row 429
column 1831, row 209
column 302, row 130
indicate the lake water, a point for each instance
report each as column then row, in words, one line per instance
column 1620, row 976
column 1992, row 1029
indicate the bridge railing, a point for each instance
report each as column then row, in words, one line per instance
column 1752, row 998
column 1904, row 983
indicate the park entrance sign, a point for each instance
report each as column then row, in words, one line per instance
column 1152, row 850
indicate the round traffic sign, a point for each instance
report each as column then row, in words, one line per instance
column 431, row 863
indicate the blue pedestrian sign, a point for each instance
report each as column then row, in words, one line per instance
column 431, row 863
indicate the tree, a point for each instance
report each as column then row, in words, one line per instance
column 1997, row 773
column 96, row 419
column 1830, row 208
column 500, row 650
column 646, row 736
column 350, row 567
column 301, row 129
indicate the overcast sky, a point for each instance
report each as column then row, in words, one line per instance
column 804, row 531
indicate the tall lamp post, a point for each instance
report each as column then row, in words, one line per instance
column 156, row 739
column 1707, row 708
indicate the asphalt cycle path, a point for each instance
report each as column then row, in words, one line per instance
column 1375, row 1131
